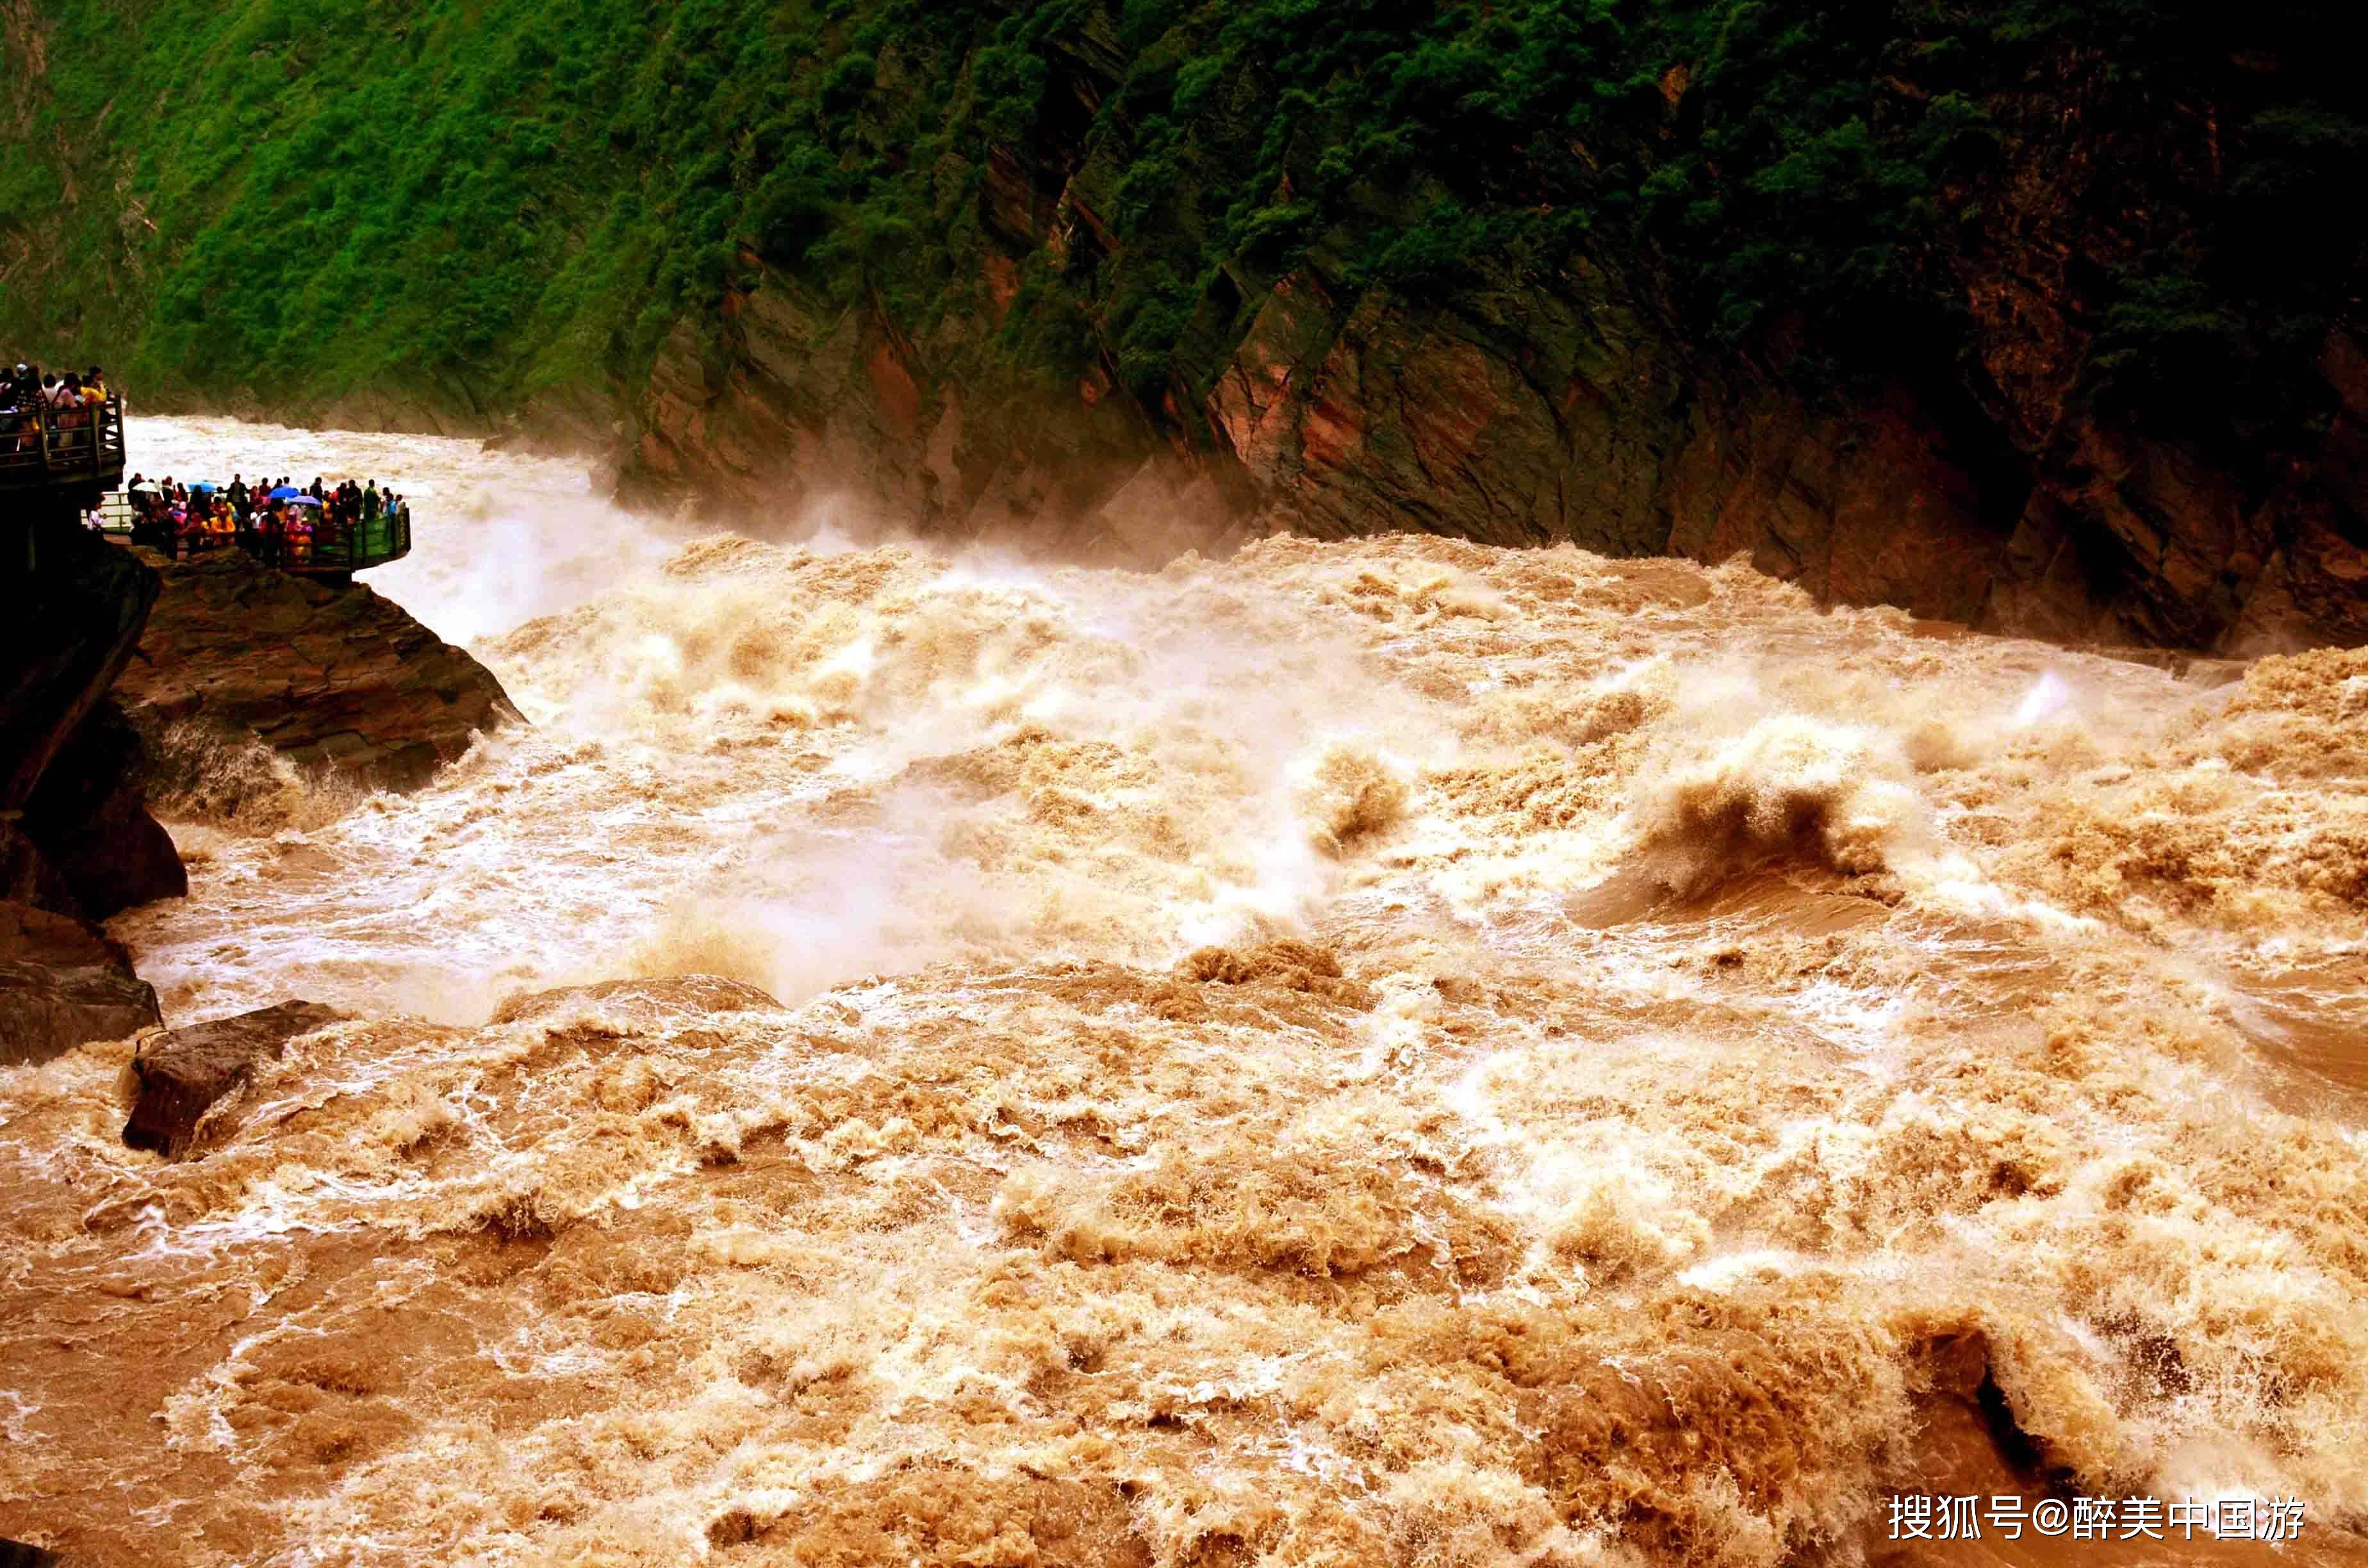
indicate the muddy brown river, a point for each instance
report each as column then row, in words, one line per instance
column 1377, row 1052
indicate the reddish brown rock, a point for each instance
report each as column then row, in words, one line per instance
column 182, row 1074
column 329, row 676
column 64, row 982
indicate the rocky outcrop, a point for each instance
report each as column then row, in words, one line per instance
column 1343, row 414
column 62, row 982
column 181, row 1075
column 62, row 647
column 329, row 676
column 76, row 841
column 89, row 815
column 16, row 1554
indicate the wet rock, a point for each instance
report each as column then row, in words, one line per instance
column 182, row 1074
column 329, row 676
column 65, row 983
column 16, row 1554
column 89, row 817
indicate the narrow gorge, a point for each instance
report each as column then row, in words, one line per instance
column 1230, row 785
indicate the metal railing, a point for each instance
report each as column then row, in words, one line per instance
column 44, row 444
column 350, row 547
column 330, row 548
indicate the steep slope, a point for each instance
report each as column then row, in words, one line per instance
column 2035, row 315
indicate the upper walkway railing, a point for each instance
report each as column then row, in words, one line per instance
column 45, row 446
column 331, row 548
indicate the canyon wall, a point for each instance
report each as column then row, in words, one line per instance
column 2043, row 319
column 1575, row 403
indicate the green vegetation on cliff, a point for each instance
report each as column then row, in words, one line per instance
column 469, row 203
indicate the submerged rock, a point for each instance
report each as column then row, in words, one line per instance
column 183, row 1075
column 327, row 676
column 65, row 983
column 679, row 996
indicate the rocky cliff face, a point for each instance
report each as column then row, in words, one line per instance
column 76, row 835
column 76, row 841
column 329, row 677
column 1580, row 402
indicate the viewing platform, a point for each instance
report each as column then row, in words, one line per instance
column 69, row 456
column 331, row 550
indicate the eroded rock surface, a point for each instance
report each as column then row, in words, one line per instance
column 183, row 1075
column 63, row 984
column 326, row 675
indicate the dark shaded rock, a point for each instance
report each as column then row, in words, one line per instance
column 329, row 676
column 16, row 1554
column 89, row 817
column 76, row 835
column 26, row 874
column 182, row 1074
column 65, row 983
column 62, row 647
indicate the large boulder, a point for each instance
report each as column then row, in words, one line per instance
column 328, row 675
column 182, row 1074
column 64, row 982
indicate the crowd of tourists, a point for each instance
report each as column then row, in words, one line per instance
column 276, row 521
column 32, row 397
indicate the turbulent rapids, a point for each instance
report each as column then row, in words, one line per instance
column 1383, row 1052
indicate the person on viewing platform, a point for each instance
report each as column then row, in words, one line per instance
column 370, row 501
column 17, row 392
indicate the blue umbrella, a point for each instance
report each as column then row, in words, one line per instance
column 299, row 500
column 284, row 493
column 203, row 489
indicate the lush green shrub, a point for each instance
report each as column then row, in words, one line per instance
column 309, row 197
